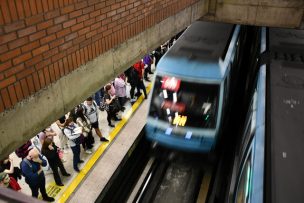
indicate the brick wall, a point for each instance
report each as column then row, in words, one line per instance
column 43, row 40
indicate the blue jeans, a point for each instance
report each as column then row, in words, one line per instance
column 76, row 156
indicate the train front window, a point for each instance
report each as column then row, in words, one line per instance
column 184, row 103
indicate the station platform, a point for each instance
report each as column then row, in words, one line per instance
column 99, row 166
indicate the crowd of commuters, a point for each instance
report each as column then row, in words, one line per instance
column 74, row 131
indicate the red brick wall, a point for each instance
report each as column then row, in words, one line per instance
column 43, row 40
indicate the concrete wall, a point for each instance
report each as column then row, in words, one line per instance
column 274, row 13
column 45, row 106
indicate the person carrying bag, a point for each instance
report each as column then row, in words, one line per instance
column 75, row 136
column 84, row 122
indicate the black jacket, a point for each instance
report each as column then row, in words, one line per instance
column 51, row 155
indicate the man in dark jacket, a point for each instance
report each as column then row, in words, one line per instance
column 31, row 167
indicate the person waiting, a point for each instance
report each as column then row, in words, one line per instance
column 9, row 182
column 90, row 110
column 139, row 67
column 31, row 167
column 112, row 109
column 71, row 130
column 7, row 166
column 120, row 90
column 84, row 122
column 50, row 151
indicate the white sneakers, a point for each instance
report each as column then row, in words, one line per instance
column 88, row 151
column 133, row 100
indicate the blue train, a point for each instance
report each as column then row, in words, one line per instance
column 191, row 87
column 269, row 163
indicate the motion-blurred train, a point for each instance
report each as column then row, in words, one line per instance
column 192, row 86
column 269, row 162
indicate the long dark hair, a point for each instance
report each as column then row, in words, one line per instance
column 46, row 143
column 79, row 113
column 68, row 121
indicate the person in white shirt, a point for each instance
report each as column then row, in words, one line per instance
column 70, row 130
column 58, row 127
column 90, row 110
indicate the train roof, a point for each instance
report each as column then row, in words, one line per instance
column 199, row 49
column 286, row 110
column 203, row 41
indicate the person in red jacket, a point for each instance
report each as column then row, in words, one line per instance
column 140, row 67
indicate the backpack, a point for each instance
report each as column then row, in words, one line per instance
column 85, row 110
column 23, row 151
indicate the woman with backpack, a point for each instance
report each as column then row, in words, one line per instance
column 74, row 134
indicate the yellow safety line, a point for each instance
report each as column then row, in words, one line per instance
column 202, row 196
column 77, row 180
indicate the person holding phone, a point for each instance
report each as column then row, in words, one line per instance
column 31, row 167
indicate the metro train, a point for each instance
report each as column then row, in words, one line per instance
column 269, row 163
column 192, row 86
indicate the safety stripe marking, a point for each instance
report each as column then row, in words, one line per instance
column 202, row 197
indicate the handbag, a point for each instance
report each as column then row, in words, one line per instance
column 86, row 129
column 104, row 105
column 87, row 125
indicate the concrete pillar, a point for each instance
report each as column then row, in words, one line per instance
column 274, row 13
